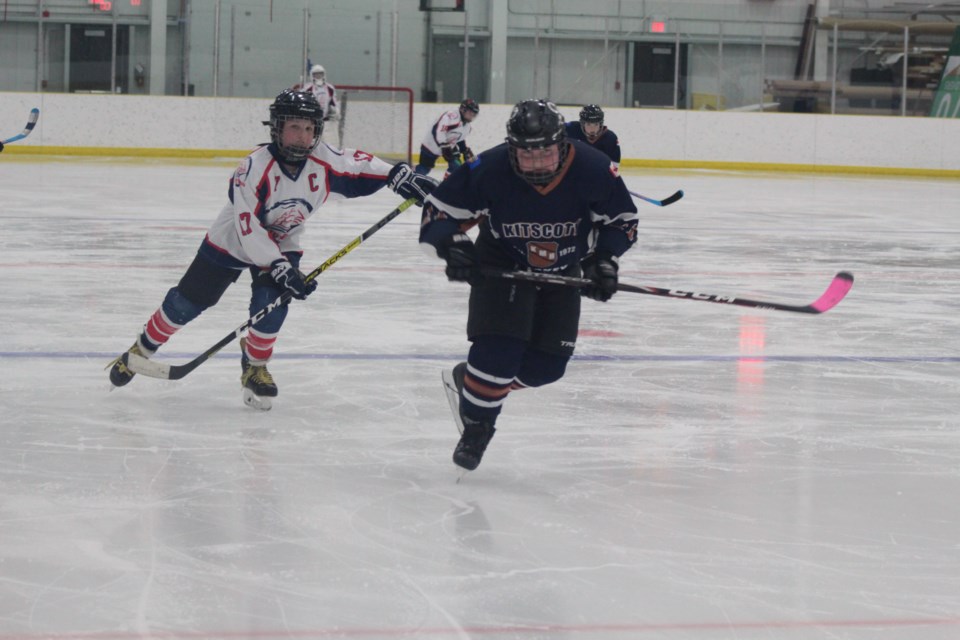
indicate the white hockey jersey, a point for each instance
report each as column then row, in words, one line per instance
column 446, row 133
column 326, row 95
column 268, row 206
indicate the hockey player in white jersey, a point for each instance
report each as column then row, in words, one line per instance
column 272, row 194
column 326, row 95
column 447, row 137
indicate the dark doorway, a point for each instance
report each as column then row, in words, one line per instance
column 91, row 54
column 448, row 69
column 654, row 67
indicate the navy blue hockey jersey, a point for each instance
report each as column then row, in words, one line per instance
column 546, row 228
column 607, row 142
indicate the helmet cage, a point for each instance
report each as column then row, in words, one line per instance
column 536, row 124
column 294, row 105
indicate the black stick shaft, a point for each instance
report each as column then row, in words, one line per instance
column 841, row 284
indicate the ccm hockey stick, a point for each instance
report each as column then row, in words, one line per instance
column 660, row 203
column 152, row 369
column 842, row 282
column 31, row 123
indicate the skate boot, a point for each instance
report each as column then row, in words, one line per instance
column 476, row 436
column 258, row 385
column 120, row 374
column 452, row 386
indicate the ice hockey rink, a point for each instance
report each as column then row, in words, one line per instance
column 702, row 472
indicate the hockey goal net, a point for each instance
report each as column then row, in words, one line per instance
column 378, row 120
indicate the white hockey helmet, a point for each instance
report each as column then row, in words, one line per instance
column 318, row 73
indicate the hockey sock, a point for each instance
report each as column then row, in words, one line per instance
column 158, row 330
column 174, row 313
column 491, row 369
column 259, row 346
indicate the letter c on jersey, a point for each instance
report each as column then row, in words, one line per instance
column 313, row 185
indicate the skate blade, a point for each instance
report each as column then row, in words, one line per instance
column 453, row 397
column 254, row 401
column 462, row 474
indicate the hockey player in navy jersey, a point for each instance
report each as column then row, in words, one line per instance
column 542, row 202
column 272, row 194
column 591, row 130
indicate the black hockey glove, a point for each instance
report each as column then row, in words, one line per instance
column 461, row 256
column 290, row 279
column 602, row 269
column 408, row 184
column 468, row 155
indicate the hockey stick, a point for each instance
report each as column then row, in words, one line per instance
column 841, row 284
column 152, row 369
column 31, row 123
column 660, row 203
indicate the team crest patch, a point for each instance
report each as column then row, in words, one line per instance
column 285, row 216
column 541, row 255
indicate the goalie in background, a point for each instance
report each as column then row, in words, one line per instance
column 447, row 138
column 271, row 195
column 590, row 129
column 326, row 95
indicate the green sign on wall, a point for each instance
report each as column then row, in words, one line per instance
column 946, row 104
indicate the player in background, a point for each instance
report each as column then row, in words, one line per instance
column 447, row 137
column 271, row 195
column 590, row 129
column 542, row 201
column 325, row 94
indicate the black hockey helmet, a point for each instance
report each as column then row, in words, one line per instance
column 591, row 113
column 469, row 106
column 536, row 124
column 289, row 105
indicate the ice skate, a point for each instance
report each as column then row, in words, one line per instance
column 258, row 386
column 452, row 386
column 476, row 436
column 120, row 374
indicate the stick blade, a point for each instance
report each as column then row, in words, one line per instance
column 671, row 199
column 34, row 116
column 145, row 366
column 837, row 291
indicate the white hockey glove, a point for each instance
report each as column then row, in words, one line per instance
column 409, row 184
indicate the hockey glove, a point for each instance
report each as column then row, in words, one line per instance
column 468, row 155
column 461, row 256
column 602, row 269
column 449, row 153
column 409, row 184
column 290, row 279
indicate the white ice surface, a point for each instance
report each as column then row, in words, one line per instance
column 702, row 472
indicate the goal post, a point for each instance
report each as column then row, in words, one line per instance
column 378, row 120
